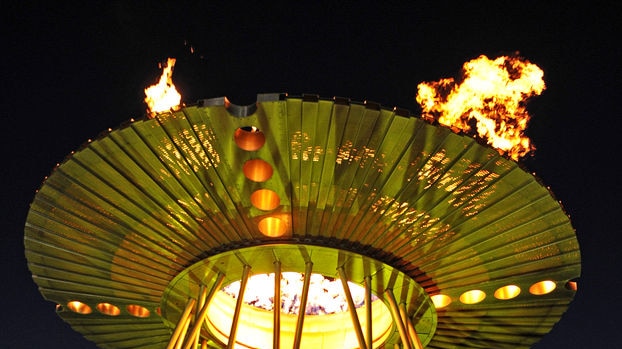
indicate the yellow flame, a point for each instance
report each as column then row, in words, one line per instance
column 163, row 96
column 491, row 96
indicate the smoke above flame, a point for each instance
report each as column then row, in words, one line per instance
column 491, row 98
column 163, row 96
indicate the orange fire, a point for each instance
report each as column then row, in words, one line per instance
column 491, row 96
column 163, row 96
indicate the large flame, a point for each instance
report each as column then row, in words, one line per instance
column 163, row 96
column 491, row 97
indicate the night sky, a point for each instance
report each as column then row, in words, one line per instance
column 71, row 71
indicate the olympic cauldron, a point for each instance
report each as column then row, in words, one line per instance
column 455, row 245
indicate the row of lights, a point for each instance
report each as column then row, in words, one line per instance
column 439, row 300
column 257, row 170
column 250, row 138
column 107, row 309
column 503, row 293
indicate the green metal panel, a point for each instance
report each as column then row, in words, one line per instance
column 126, row 213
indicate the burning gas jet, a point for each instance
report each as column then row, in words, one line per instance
column 163, row 96
column 491, row 98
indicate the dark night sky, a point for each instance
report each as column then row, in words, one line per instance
column 73, row 70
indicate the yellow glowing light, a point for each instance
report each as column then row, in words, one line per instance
column 272, row 227
column 108, row 309
column 79, row 307
column 257, row 170
column 265, row 199
column 507, row 292
column 542, row 287
column 138, row 311
column 440, row 300
column 255, row 327
column 249, row 138
column 472, row 296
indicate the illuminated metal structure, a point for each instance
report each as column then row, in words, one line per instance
column 135, row 234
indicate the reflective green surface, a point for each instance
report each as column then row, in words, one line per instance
column 293, row 258
column 125, row 214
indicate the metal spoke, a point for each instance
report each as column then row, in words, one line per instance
column 303, row 304
column 182, row 335
column 276, row 326
column 204, row 302
column 412, row 334
column 397, row 318
column 370, row 338
column 351, row 308
column 215, row 288
column 193, row 337
column 181, row 323
column 238, row 307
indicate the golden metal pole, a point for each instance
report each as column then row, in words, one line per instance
column 204, row 344
column 215, row 288
column 204, row 301
column 397, row 318
column 212, row 292
column 412, row 335
column 303, row 304
column 182, row 335
column 352, row 310
column 370, row 338
column 181, row 323
column 276, row 326
column 193, row 338
column 238, row 307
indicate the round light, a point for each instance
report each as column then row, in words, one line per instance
column 79, row 307
column 507, row 292
column 249, row 138
column 272, row 227
column 440, row 300
column 108, row 309
column 265, row 199
column 542, row 287
column 257, row 170
column 137, row 310
column 472, row 296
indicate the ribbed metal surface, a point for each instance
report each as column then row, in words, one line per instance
column 126, row 213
